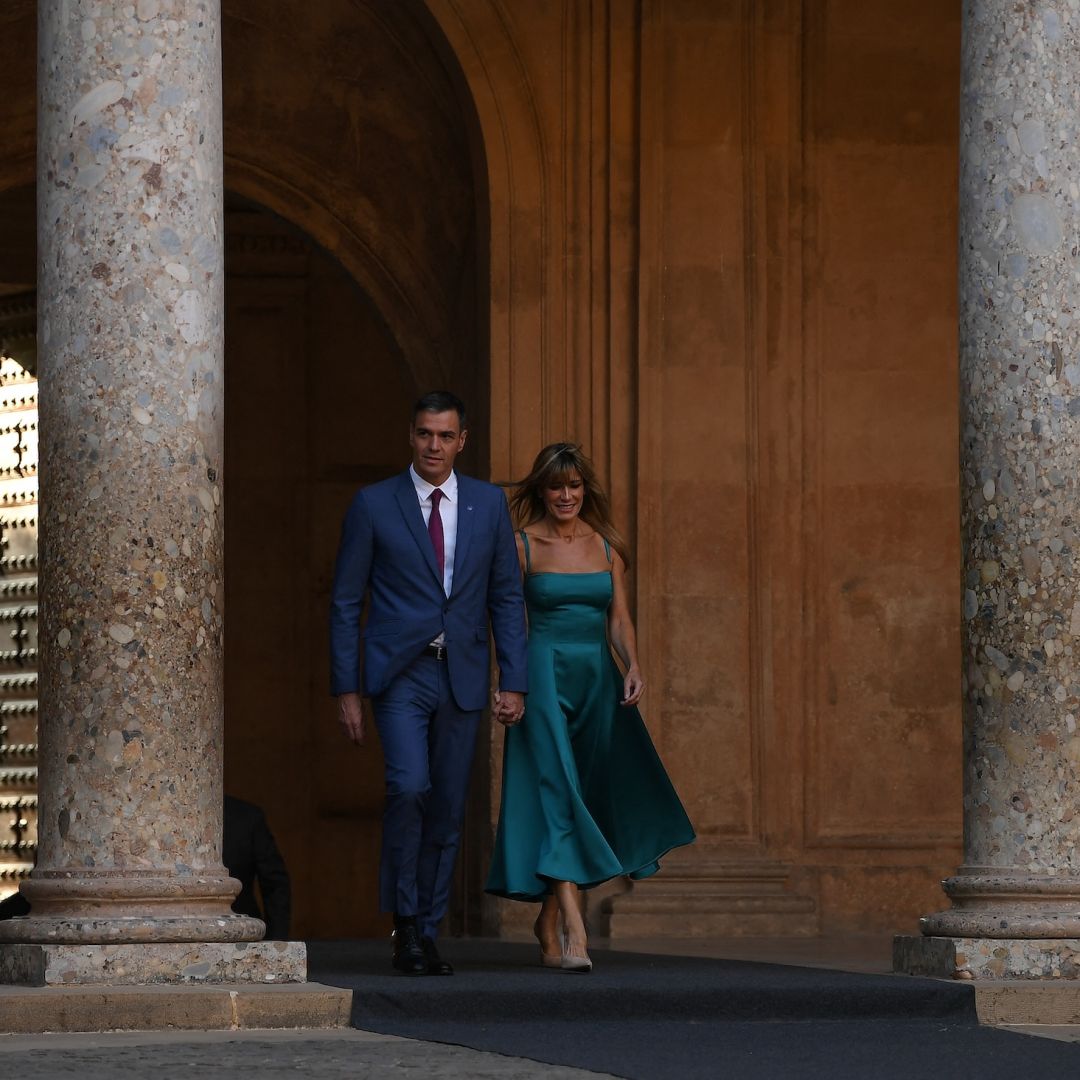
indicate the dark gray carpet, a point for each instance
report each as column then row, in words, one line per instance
column 646, row 1017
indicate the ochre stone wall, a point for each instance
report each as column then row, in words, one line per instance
column 882, row 729
column 798, row 396
column 769, row 384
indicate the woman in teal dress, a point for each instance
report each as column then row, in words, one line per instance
column 585, row 797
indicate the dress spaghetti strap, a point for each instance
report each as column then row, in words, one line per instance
column 528, row 557
column 607, row 549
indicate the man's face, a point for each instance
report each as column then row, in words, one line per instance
column 436, row 439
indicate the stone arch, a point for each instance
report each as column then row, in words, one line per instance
column 355, row 252
column 397, row 278
column 342, row 118
column 412, row 284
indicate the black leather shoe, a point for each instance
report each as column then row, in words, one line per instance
column 409, row 956
column 436, row 965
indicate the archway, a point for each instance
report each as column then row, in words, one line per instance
column 351, row 259
column 316, row 396
column 357, row 276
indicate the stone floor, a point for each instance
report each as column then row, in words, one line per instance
column 350, row 1053
column 267, row 1055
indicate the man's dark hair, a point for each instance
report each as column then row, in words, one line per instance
column 440, row 401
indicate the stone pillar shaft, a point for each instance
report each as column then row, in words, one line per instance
column 1020, row 474
column 130, row 295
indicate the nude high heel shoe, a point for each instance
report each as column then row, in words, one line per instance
column 546, row 959
column 578, row 964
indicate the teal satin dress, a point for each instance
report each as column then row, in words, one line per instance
column 585, row 797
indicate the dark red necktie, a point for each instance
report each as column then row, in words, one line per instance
column 434, row 528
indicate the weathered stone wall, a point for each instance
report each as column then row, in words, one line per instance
column 770, row 385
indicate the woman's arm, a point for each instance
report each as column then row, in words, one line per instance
column 622, row 635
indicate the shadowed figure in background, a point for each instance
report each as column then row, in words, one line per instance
column 250, row 855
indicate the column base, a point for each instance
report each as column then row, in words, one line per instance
column 97, row 907
column 191, row 963
column 987, row 958
column 1007, row 903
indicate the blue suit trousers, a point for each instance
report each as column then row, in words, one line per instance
column 428, row 745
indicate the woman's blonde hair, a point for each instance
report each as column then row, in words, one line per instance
column 555, row 463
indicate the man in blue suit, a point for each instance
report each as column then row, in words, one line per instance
column 434, row 553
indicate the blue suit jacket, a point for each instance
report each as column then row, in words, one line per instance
column 385, row 551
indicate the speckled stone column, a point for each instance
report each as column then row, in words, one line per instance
column 130, row 332
column 1020, row 491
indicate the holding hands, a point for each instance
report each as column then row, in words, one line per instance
column 509, row 707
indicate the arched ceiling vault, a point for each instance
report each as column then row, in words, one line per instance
column 342, row 118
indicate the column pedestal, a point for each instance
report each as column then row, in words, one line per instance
column 1001, row 926
column 983, row 958
column 190, row 964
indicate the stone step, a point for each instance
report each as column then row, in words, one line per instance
column 31, row 1010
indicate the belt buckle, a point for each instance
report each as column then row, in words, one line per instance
column 438, row 651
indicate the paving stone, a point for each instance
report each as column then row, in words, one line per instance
column 349, row 1054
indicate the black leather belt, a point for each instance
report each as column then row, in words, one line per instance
column 437, row 651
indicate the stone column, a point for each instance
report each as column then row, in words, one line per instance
column 1016, row 900
column 130, row 294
